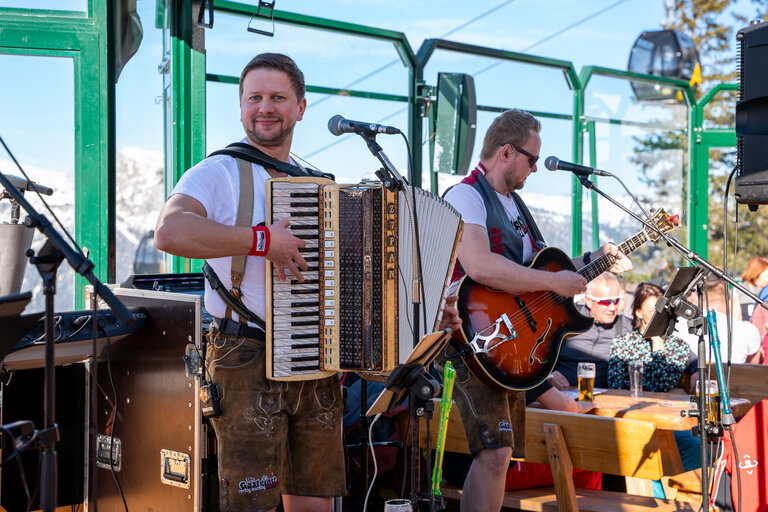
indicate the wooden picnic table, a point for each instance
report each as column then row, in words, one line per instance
column 661, row 409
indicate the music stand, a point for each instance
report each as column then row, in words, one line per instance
column 14, row 326
column 398, row 384
column 673, row 303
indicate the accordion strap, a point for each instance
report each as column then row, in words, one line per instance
column 243, row 151
column 233, row 299
column 231, row 302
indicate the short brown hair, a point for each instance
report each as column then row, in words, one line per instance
column 511, row 127
column 755, row 267
column 279, row 62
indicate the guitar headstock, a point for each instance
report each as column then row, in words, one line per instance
column 663, row 221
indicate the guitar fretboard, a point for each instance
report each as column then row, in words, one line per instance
column 606, row 261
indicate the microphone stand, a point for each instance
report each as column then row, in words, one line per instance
column 703, row 429
column 47, row 261
column 393, row 181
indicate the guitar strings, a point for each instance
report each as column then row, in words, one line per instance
column 551, row 298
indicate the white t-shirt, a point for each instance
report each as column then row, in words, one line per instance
column 469, row 203
column 215, row 182
column 746, row 338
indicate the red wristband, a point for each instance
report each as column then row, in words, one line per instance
column 260, row 245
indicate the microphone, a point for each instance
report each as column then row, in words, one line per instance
column 555, row 164
column 338, row 125
column 23, row 184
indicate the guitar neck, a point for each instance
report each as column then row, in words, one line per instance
column 606, row 261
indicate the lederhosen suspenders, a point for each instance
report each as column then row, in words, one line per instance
column 245, row 154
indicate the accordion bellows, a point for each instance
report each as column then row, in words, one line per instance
column 354, row 311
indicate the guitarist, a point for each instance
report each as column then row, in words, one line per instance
column 499, row 237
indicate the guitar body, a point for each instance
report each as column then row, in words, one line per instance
column 541, row 321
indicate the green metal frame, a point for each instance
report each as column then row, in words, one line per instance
column 698, row 183
column 428, row 48
column 85, row 37
column 586, row 75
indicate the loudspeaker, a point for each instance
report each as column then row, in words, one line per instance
column 752, row 116
column 453, row 121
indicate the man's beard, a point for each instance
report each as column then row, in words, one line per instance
column 273, row 139
column 513, row 186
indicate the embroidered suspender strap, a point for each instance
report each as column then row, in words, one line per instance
column 241, row 150
column 244, row 218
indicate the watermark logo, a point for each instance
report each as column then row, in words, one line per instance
column 251, row 484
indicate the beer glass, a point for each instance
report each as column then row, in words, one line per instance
column 586, row 375
column 398, row 505
column 635, row 369
column 713, row 400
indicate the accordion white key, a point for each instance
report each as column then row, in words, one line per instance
column 354, row 311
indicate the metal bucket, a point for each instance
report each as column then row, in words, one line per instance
column 15, row 239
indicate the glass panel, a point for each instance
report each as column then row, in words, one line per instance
column 751, row 234
column 720, row 112
column 38, row 126
column 139, row 127
column 643, row 143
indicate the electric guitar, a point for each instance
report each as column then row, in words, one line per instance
column 512, row 340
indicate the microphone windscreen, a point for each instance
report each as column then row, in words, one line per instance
column 551, row 163
column 333, row 124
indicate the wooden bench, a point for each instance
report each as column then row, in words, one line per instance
column 565, row 441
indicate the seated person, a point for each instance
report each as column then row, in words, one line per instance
column 746, row 337
column 664, row 359
column 754, row 278
column 604, row 294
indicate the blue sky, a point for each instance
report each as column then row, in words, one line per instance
column 35, row 92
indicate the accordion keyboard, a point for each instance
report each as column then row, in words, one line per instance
column 294, row 307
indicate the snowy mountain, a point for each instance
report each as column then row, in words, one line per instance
column 138, row 202
column 140, row 197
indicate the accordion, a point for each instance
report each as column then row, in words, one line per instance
column 354, row 310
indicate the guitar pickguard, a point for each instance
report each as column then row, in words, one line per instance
column 539, row 341
column 528, row 316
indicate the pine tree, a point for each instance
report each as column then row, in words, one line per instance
column 712, row 24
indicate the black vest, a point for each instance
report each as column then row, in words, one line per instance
column 504, row 237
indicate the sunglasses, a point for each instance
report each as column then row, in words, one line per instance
column 607, row 301
column 532, row 159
